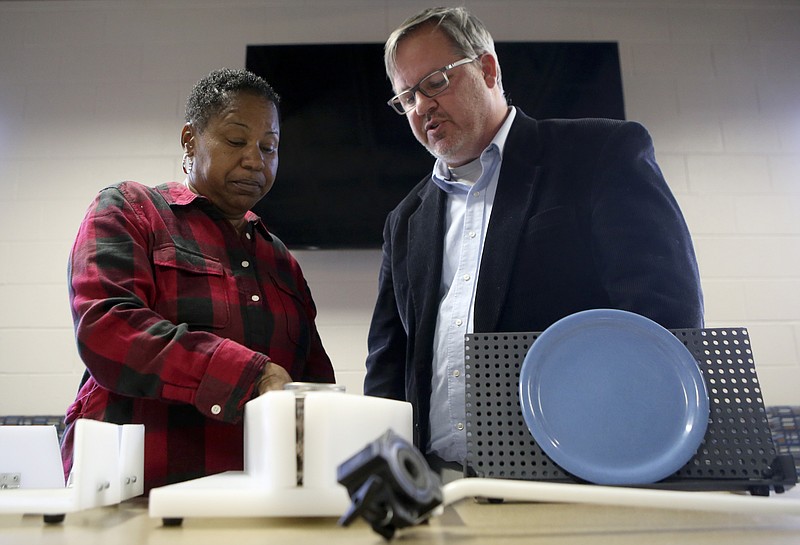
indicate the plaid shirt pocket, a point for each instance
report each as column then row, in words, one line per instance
column 192, row 288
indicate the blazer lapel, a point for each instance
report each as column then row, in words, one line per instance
column 510, row 213
column 425, row 246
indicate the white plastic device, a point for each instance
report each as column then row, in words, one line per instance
column 335, row 426
column 108, row 468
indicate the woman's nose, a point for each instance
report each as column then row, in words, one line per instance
column 253, row 159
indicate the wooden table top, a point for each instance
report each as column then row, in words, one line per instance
column 466, row 522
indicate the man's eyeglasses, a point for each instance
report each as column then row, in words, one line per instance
column 430, row 86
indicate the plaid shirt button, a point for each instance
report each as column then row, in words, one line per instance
column 216, row 409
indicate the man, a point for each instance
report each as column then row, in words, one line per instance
column 521, row 223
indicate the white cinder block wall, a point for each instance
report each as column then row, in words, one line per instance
column 91, row 92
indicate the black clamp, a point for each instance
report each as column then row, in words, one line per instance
column 390, row 484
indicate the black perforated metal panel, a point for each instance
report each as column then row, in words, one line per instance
column 737, row 451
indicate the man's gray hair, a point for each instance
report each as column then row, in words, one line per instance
column 467, row 33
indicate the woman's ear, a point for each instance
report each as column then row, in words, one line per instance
column 187, row 139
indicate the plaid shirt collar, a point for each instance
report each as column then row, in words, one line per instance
column 178, row 194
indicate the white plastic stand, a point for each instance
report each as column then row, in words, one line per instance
column 335, row 426
column 108, row 468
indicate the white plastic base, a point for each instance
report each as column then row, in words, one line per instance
column 336, row 426
column 238, row 494
column 108, row 468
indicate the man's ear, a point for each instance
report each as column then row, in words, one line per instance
column 490, row 69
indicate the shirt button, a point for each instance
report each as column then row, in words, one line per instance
column 459, row 321
column 255, row 298
column 245, row 264
column 248, row 236
column 456, row 373
column 477, row 193
column 472, row 234
column 466, row 277
column 216, row 409
column 459, row 426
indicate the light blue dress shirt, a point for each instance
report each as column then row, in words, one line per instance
column 470, row 195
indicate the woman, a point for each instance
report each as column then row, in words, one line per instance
column 185, row 306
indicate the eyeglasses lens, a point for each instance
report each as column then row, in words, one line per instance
column 430, row 86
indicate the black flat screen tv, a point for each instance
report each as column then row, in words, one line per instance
column 346, row 159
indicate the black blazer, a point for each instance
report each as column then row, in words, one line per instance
column 582, row 219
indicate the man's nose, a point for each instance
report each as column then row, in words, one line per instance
column 423, row 104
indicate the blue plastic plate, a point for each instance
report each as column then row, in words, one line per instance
column 613, row 398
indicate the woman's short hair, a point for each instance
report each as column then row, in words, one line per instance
column 467, row 33
column 211, row 94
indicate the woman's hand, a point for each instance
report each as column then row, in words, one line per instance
column 273, row 377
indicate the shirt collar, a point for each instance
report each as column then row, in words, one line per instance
column 502, row 134
column 441, row 173
column 178, row 194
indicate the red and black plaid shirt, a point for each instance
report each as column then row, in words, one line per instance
column 176, row 315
